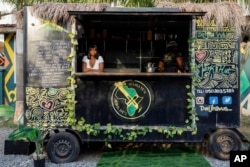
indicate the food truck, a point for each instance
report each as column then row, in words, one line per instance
column 127, row 102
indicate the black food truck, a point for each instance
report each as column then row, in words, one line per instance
column 130, row 101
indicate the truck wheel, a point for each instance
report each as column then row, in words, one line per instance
column 63, row 147
column 221, row 142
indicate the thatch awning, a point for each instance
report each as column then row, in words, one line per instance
column 58, row 12
column 223, row 13
column 7, row 28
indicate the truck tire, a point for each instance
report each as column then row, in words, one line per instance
column 222, row 141
column 63, row 147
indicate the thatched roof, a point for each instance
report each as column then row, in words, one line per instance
column 223, row 13
column 7, row 28
column 58, row 12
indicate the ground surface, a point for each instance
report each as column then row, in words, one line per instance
column 91, row 154
column 89, row 157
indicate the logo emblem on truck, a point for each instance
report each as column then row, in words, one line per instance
column 131, row 99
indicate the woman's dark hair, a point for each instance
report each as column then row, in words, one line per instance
column 93, row 47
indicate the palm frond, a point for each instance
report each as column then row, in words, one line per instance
column 6, row 111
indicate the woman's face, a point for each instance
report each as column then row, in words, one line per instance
column 92, row 52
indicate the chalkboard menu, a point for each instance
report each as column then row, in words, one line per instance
column 217, row 62
column 49, row 66
column 48, row 47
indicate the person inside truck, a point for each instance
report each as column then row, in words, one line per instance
column 161, row 66
column 93, row 62
column 173, row 58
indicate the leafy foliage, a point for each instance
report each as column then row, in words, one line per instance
column 6, row 111
column 29, row 134
column 6, row 115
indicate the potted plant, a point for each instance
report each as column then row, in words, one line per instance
column 16, row 147
column 32, row 135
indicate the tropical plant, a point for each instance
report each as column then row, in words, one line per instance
column 6, row 115
column 32, row 135
column 6, row 112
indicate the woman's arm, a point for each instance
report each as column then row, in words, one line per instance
column 179, row 60
column 101, row 67
column 85, row 69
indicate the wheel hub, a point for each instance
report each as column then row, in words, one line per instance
column 62, row 148
column 226, row 143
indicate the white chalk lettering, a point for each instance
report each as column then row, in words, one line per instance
column 211, row 108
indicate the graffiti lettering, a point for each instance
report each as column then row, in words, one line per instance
column 216, row 57
column 215, row 29
column 225, row 70
column 215, row 35
column 216, row 45
column 200, row 23
column 217, row 76
column 219, row 91
column 206, row 70
column 210, row 69
column 200, row 91
column 212, row 108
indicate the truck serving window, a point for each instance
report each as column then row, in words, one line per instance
column 128, row 40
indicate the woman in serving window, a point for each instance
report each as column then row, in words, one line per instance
column 93, row 62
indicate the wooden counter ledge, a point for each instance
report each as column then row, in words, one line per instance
column 142, row 74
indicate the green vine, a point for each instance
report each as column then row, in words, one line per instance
column 131, row 134
column 171, row 131
column 191, row 95
column 70, row 102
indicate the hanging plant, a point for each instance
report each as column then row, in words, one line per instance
column 191, row 95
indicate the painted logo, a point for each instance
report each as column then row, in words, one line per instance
column 131, row 99
column 227, row 100
column 199, row 100
column 213, row 100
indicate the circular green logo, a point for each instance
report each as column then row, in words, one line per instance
column 131, row 99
